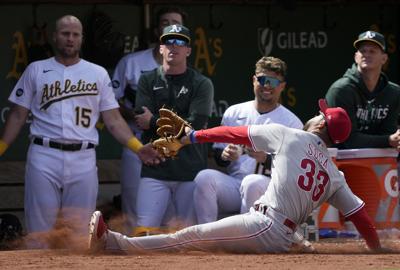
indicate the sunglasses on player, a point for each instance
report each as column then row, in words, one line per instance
column 271, row 81
column 177, row 42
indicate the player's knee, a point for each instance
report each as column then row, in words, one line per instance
column 205, row 178
column 205, row 181
column 254, row 183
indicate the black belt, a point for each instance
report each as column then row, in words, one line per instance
column 287, row 222
column 62, row 146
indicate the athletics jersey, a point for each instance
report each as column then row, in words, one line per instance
column 65, row 101
column 303, row 171
column 244, row 114
column 129, row 70
column 126, row 78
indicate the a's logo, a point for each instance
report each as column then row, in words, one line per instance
column 369, row 34
column 265, row 41
column 183, row 91
column 175, row 29
column 47, row 70
column 19, row 92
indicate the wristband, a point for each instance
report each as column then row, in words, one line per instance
column 3, row 147
column 134, row 144
column 192, row 136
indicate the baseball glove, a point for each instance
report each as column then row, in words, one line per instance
column 171, row 128
column 168, row 147
column 171, row 124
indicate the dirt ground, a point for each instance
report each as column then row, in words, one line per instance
column 332, row 255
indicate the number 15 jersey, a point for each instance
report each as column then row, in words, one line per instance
column 65, row 101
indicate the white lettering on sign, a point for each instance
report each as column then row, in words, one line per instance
column 392, row 188
column 302, row 40
column 267, row 40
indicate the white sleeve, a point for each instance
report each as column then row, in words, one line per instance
column 107, row 98
column 267, row 138
column 25, row 89
column 345, row 200
column 119, row 79
column 296, row 124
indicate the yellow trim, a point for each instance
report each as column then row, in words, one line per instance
column 3, row 147
column 134, row 144
column 144, row 231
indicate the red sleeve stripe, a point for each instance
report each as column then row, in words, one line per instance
column 251, row 139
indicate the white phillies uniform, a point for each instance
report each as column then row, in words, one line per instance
column 127, row 73
column 217, row 192
column 65, row 102
column 304, row 178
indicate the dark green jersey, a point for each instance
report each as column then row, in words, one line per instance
column 373, row 114
column 189, row 94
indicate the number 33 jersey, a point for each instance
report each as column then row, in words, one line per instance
column 65, row 101
column 304, row 174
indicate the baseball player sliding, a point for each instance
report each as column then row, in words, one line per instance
column 305, row 178
column 66, row 96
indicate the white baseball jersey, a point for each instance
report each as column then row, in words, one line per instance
column 244, row 114
column 311, row 179
column 65, row 101
column 129, row 69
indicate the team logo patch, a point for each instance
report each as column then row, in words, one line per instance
column 115, row 84
column 19, row 92
column 175, row 29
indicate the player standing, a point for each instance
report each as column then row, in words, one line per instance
column 305, row 177
column 66, row 96
column 125, row 83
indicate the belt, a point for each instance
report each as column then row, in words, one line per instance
column 271, row 212
column 63, row 146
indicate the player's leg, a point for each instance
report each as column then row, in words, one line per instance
column 252, row 232
column 215, row 191
column 80, row 188
column 130, row 176
column 182, row 198
column 152, row 201
column 42, row 192
column 252, row 188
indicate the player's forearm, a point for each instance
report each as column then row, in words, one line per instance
column 227, row 134
column 120, row 130
column 364, row 225
column 15, row 121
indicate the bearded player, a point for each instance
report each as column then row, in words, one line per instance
column 66, row 95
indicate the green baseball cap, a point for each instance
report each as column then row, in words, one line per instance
column 175, row 31
column 371, row 36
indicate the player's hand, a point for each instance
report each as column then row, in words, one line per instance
column 231, row 152
column 394, row 140
column 143, row 120
column 260, row 156
column 149, row 155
